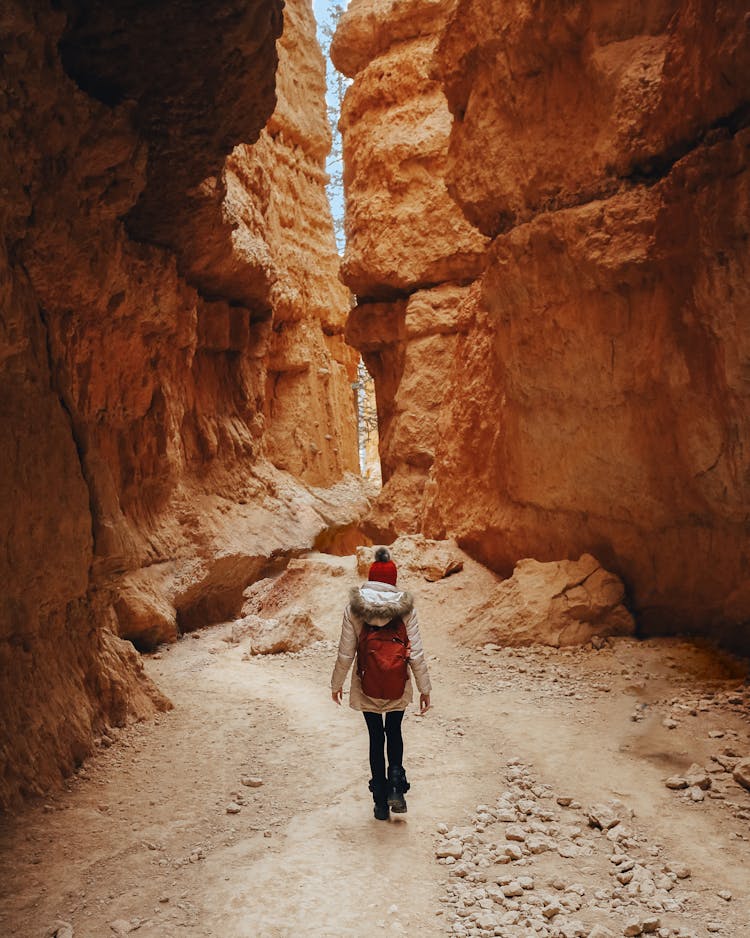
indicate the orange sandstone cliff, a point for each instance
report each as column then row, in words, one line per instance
column 594, row 393
column 174, row 385
column 410, row 253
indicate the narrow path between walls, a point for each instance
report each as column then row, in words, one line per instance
column 143, row 844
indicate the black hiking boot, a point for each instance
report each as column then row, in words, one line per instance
column 397, row 788
column 379, row 789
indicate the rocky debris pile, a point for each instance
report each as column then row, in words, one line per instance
column 562, row 603
column 731, row 698
column 238, row 798
column 419, row 556
column 610, row 664
column 319, row 584
column 280, row 614
column 505, row 878
column 726, row 777
column 539, row 670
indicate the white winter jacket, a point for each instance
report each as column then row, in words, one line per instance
column 377, row 604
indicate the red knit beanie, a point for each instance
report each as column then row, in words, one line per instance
column 383, row 572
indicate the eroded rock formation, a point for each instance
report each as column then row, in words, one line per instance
column 568, row 602
column 408, row 246
column 594, row 396
column 170, row 344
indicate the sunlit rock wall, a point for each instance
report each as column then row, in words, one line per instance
column 598, row 395
column 168, row 296
column 410, row 252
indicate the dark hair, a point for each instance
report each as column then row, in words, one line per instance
column 382, row 554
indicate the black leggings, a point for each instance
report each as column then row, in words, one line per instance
column 380, row 730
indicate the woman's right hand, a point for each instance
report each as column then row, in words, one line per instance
column 336, row 696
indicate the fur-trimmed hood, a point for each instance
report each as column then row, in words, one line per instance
column 378, row 603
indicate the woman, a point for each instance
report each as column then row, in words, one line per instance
column 380, row 605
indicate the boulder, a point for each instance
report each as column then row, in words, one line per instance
column 145, row 616
column 559, row 603
column 432, row 560
column 290, row 632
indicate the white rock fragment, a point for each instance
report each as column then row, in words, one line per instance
column 632, row 928
column 251, row 781
column 537, row 844
column 506, row 815
column 697, row 776
column 452, row 848
column 512, row 889
column 604, row 816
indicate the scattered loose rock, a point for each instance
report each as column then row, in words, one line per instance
column 251, row 781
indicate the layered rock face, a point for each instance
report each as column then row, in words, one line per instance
column 597, row 397
column 410, row 252
column 170, row 343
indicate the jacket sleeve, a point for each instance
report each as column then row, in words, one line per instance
column 347, row 651
column 417, row 661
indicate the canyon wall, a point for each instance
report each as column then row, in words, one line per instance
column 596, row 395
column 175, row 388
column 410, row 253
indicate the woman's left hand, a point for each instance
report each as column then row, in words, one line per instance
column 336, row 696
column 424, row 703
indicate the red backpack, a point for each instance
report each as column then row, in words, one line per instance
column 382, row 656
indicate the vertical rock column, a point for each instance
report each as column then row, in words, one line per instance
column 410, row 254
column 605, row 389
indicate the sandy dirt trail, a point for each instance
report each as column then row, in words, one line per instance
column 141, row 843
